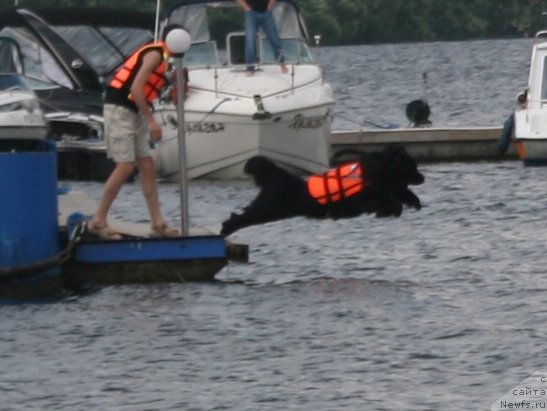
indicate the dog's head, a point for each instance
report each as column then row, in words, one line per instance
column 401, row 167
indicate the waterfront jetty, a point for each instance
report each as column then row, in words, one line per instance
column 429, row 144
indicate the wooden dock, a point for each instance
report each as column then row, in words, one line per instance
column 429, row 144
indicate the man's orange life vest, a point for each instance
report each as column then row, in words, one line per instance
column 126, row 74
column 337, row 183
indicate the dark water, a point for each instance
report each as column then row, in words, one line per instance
column 441, row 309
column 471, row 83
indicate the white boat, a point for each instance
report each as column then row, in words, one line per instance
column 230, row 117
column 21, row 117
column 530, row 121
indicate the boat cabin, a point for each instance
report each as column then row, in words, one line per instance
column 216, row 48
column 537, row 82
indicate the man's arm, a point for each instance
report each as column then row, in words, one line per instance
column 243, row 4
column 150, row 62
column 271, row 5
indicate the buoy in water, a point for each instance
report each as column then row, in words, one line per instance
column 417, row 112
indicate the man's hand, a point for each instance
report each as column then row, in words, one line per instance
column 150, row 61
column 243, row 4
column 155, row 130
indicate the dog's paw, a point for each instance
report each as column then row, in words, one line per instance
column 229, row 226
column 389, row 210
column 416, row 204
column 226, row 230
column 411, row 200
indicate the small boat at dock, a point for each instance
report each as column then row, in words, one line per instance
column 231, row 117
column 530, row 125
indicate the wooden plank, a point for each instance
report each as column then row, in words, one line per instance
column 416, row 135
column 79, row 202
column 429, row 143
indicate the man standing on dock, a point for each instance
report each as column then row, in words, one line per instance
column 258, row 14
column 129, row 125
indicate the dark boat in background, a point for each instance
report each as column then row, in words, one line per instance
column 66, row 55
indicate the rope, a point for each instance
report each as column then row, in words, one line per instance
column 174, row 123
column 48, row 263
column 367, row 122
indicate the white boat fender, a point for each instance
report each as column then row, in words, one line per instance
column 506, row 134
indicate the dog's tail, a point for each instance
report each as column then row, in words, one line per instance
column 263, row 170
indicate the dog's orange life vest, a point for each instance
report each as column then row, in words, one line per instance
column 337, row 183
column 126, row 74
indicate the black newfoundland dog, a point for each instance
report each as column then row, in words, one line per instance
column 373, row 183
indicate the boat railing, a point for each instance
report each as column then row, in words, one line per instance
column 295, row 51
column 290, row 88
column 206, row 55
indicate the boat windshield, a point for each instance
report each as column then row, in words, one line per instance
column 294, row 51
column 105, row 48
column 12, row 82
column 20, row 51
column 214, row 24
column 544, row 80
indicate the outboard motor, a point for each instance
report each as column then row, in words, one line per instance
column 418, row 111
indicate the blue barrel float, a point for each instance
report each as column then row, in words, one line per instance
column 29, row 232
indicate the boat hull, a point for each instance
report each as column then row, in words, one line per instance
column 219, row 147
column 531, row 136
column 532, row 152
column 83, row 161
column 24, row 132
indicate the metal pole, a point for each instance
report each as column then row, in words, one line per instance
column 181, row 129
column 157, row 23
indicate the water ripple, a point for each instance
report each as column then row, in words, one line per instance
column 441, row 309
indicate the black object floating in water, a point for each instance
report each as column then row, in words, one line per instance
column 417, row 112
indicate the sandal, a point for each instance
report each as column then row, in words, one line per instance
column 163, row 230
column 103, row 231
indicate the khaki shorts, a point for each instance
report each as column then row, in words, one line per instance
column 126, row 134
